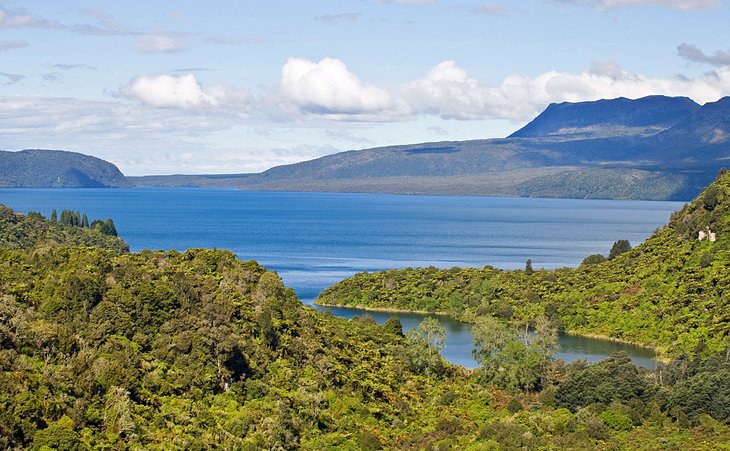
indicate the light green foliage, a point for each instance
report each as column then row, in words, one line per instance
column 427, row 340
column 430, row 332
column 511, row 360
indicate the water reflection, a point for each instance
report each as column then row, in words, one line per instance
column 459, row 341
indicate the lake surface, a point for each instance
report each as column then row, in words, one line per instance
column 316, row 239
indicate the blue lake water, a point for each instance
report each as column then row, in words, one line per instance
column 316, row 239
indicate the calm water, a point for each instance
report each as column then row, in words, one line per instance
column 316, row 239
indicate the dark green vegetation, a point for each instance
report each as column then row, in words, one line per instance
column 101, row 348
column 671, row 292
column 56, row 169
column 656, row 147
column 27, row 232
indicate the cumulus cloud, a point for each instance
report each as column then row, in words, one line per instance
column 328, row 88
column 686, row 5
column 690, row 52
column 447, row 90
column 9, row 45
column 19, row 19
column 184, row 91
column 159, row 43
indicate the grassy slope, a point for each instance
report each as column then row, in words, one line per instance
column 671, row 292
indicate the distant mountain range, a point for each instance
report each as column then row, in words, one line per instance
column 656, row 147
column 57, row 169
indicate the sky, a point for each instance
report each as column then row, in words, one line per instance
column 193, row 87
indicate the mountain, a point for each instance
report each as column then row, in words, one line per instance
column 616, row 117
column 57, row 169
column 655, row 147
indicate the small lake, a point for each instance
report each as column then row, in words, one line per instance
column 316, row 239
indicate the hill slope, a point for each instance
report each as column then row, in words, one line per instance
column 671, row 292
column 57, row 169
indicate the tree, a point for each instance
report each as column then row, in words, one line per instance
column 104, row 227
column 528, row 266
column 593, row 260
column 393, row 326
column 54, row 216
column 710, row 198
column 427, row 340
column 429, row 331
column 618, row 248
column 510, row 361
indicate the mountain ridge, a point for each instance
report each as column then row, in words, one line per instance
column 653, row 112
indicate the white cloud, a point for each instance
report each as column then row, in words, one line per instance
column 490, row 9
column 12, row 78
column 690, row 52
column 184, row 91
column 328, row 91
column 8, row 45
column 448, row 91
column 18, row 19
column 105, row 25
column 74, row 66
column 686, row 5
column 159, row 43
column 328, row 88
column 343, row 17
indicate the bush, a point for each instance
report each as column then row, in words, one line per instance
column 593, row 260
column 616, row 420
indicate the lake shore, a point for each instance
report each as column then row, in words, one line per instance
column 657, row 356
column 385, row 310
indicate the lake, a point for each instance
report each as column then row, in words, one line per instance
column 316, row 239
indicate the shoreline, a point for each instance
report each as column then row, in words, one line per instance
column 657, row 356
column 385, row 310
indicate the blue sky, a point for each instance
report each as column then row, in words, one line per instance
column 223, row 87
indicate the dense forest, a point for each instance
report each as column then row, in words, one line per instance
column 101, row 348
column 672, row 292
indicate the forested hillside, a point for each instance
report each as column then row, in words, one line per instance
column 105, row 349
column 37, row 168
column 671, row 292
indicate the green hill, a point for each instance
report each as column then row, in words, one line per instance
column 34, row 168
column 106, row 349
column 671, row 292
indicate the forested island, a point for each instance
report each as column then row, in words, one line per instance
column 103, row 348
